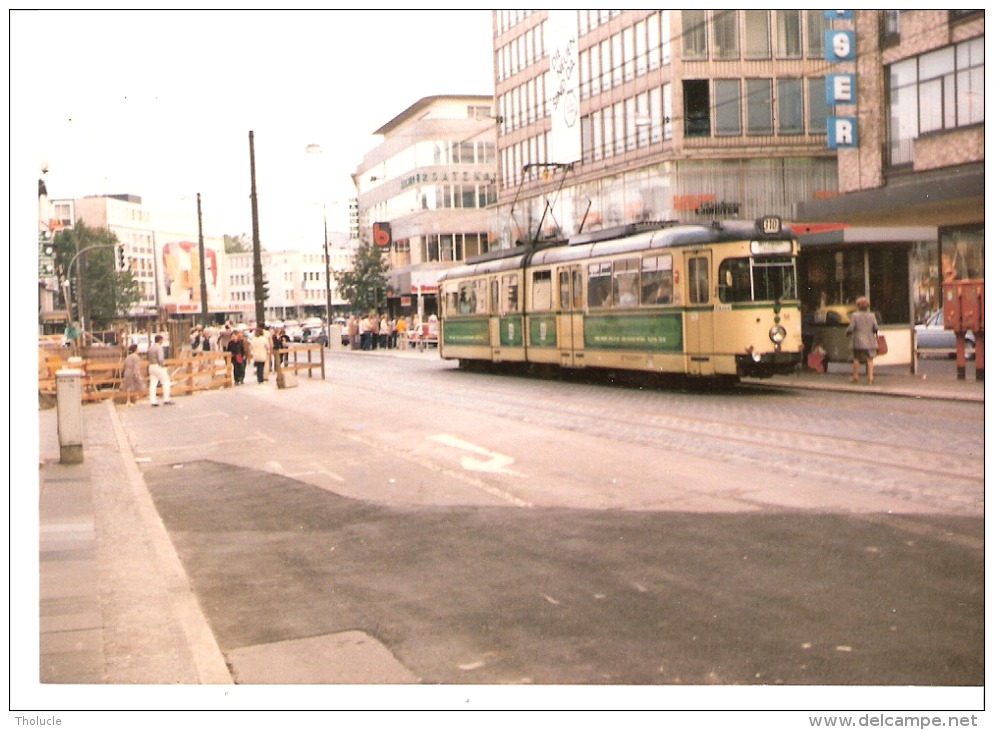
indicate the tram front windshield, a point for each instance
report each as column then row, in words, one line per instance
column 757, row 279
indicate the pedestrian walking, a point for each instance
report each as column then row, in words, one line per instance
column 132, row 384
column 863, row 330
column 239, row 356
column 261, row 348
column 157, row 373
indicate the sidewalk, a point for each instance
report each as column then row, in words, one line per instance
column 115, row 605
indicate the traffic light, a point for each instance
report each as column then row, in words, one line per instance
column 46, row 260
column 121, row 262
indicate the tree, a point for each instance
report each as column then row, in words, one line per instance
column 107, row 294
column 237, row 244
column 364, row 287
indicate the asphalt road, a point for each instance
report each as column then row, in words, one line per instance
column 519, row 531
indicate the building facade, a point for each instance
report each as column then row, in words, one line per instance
column 690, row 115
column 423, row 194
column 295, row 281
column 918, row 160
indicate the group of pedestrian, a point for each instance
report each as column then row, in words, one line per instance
column 133, row 385
column 373, row 332
column 257, row 348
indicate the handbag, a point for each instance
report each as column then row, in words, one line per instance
column 881, row 345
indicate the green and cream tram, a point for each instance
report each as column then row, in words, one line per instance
column 715, row 301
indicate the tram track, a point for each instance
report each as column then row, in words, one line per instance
column 895, row 460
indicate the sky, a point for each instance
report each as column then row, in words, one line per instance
column 160, row 104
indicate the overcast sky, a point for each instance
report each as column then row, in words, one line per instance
column 160, row 104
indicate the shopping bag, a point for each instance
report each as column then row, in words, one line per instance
column 881, row 345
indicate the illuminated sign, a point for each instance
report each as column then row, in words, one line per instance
column 381, row 234
column 770, row 225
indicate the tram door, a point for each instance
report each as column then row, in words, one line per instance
column 699, row 318
column 570, row 324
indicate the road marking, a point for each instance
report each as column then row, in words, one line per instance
column 495, row 463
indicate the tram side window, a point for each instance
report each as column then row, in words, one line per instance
column 466, row 303
column 599, row 285
column 564, row 290
column 697, row 275
column 734, row 281
column 494, row 295
column 626, row 283
column 509, row 303
column 542, row 291
column 657, row 280
column 480, row 296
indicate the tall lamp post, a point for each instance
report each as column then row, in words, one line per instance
column 315, row 149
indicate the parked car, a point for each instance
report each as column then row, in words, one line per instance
column 933, row 337
column 314, row 334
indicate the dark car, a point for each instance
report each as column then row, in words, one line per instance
column 933, row 337
column 315, row 335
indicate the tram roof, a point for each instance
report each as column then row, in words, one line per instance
column 614, row 241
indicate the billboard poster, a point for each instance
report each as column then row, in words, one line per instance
column 564, row 87
column 179, row 275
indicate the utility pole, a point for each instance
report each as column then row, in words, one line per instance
column 203, row 266
column 327, row 278
column 260, row 296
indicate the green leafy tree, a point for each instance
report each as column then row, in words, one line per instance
column 364, row 287
column 237, row 244
column 106, row 293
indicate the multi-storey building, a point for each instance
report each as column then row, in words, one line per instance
column 917, row 160
column 611, row 116
column 423, row 193
column 126, row 217
column 295, row 281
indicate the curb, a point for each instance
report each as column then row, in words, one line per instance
column 209, row 662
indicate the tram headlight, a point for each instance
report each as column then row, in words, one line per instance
column 778, row 334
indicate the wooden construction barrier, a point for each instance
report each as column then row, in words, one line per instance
column 191, row 372
column 103, row 376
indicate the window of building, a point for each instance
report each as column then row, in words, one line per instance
column 655, row 46
column 641, row 55
column 759, row 106
column 727, row 108
column 695, row 34
column 595, row 70
column 757, row 34
column 939, row 90
column 628, row 49
column 606, row 62
column 617, row 60
column 817, row 109
column 664, row 30
column 697, row 108
column 788, row 33
column 726, row 34
column 816, row 27
column 790, row 106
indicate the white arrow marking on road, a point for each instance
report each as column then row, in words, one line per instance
column 496, row 463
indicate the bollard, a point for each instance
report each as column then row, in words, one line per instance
column 69, row 403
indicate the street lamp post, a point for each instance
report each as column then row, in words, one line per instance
column 315, row 149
